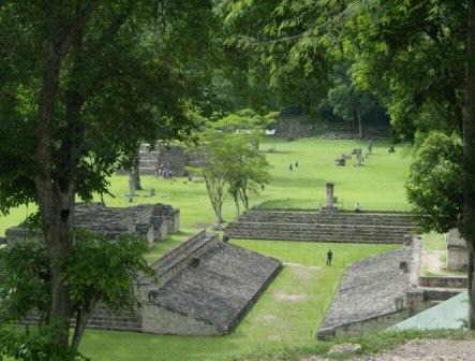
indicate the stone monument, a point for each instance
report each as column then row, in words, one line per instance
column 331, row 199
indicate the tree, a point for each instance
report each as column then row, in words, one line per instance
column 411, row 54
column 99, row 270
column 234, row 165
column 436, row 181
column 468, row 226
column 247, row 169
column 81, row 84
column 351, row 103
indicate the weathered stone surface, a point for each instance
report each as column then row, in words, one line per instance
column 172, row 157
column 370, row 289
column 152, row 222
column 307, row 225
column 212, row 293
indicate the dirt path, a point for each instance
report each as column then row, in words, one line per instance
column 423, row 350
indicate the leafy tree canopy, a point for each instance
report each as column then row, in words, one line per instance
column 436, row 181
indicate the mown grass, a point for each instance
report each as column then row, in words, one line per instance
column 379, row 184
column 290, row 311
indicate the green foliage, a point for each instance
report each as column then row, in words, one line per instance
column 244, row 120
column 24, row 280
column 102, row 269
column 233, row 164
column 129, row 77
column 411, row 54
column 98, row 270
column 17, row 345
column 435, row 182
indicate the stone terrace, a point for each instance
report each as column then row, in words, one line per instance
column 307, row 225
column 369, row 291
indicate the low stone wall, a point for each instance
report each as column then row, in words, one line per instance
column 443, row 282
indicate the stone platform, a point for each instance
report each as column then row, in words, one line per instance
column 319, row 226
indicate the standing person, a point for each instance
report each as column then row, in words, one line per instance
column 329, row 257
column 291, row 167
column 296, row 164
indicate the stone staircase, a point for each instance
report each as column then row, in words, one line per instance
column 105, row 319
column 148, row 159
column 344, row 227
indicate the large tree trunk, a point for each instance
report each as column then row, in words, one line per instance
column 54, row 179
column 54, row 207
column 134, row 174
column 469, row 159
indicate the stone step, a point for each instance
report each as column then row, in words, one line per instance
column 331, row 220
column 321, row 231
column 439, row 294
column 319, row 224
column 318, row 237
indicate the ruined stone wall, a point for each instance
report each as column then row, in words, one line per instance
column 159, row 320
column 153, row 222
column 457, row 259
column 172, row 157
column 443, row 281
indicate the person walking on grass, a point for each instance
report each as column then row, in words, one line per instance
column 329, row 257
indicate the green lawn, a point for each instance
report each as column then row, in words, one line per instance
column 379, row 184
column 289, row 313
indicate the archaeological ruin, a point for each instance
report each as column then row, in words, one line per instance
column 327, row 224
column 323, row 226
column 153, row 222
column 176, row 158
column 373, row 290
column 205, row 287
column 202, row 287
